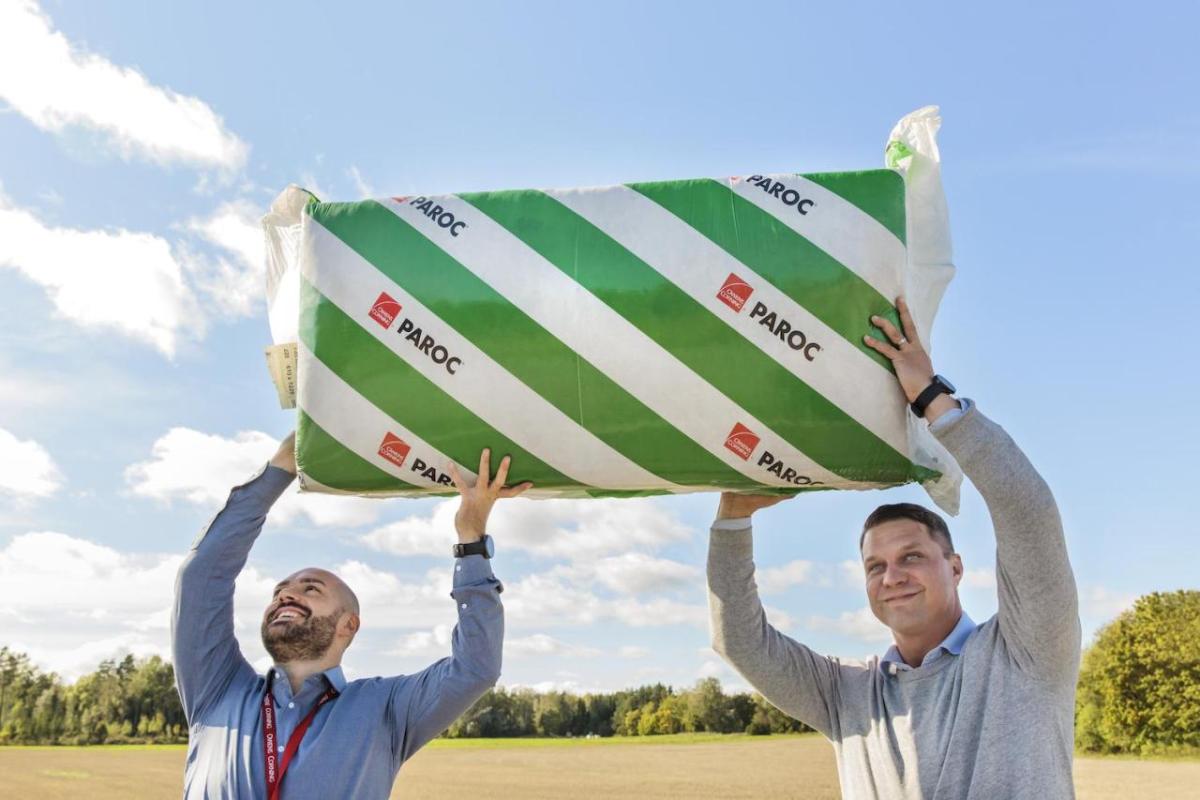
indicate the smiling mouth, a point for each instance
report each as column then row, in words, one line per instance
column 288, row 614
column 901, row 598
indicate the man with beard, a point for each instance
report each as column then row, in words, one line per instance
column 953, row 709
column 303, row 721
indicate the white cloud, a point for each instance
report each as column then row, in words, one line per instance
column 637, row 573
column 72, row 602
column 435, row 642
column 632, row 651
column 114, row 279
column 861, row 624
column 26, row 469
column 585, row 529
column 540, row 644
column 364, row 189
column 554, row 598
column 387, row 602
column 777, row 617
column 235, row 287
column 201, row 468
column 852, row 573
column 981, row 578
column 579, row 530
column 417, row 535
column 777, row 579
column 1102, row 604
column 57, row 85
column 565, row 686
column 310, row 184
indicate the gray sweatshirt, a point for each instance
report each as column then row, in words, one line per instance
column 995, row 721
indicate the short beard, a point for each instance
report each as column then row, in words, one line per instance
column 309, row 640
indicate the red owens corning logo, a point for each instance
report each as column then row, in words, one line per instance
column 401, row 199
column 734, row 292
column 742, row 441
column 394, row 449
column 385, row 310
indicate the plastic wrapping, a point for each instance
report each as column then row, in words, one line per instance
column 657, row 337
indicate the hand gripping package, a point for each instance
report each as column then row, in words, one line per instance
column 675, row 336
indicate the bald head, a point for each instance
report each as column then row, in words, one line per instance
column 334, row 586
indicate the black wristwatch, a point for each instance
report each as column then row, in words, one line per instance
column 939, row 386
column 480, row 547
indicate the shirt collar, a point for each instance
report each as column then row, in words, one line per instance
column 893, row 662
column 280, row 685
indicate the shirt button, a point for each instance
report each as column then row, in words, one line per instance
column 463, row 606
column 458, row 567
column 291, row 705
column 281, row 749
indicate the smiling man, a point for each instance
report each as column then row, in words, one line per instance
column 303, row 721
column 953, row 710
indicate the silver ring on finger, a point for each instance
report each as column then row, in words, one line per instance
column 902, row 341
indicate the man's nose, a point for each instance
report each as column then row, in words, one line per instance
column 894, row 574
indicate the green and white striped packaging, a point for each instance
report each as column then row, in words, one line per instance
column 641, row 339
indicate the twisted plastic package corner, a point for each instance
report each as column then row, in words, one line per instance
column 912, row 151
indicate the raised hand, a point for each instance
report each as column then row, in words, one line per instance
column 914, row 369
column 477, row 500
column 285, row 456
column 734, row 505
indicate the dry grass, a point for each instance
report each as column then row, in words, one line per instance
column 673, row 767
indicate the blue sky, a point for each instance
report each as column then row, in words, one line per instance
column 140, row 142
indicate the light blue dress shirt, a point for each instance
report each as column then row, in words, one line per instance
column 358, row 741
column 892, row 662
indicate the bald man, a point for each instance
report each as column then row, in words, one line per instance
column 303, row 720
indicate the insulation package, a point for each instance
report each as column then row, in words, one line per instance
column 674, row 336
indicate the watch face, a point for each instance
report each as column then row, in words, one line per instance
column 946, row 383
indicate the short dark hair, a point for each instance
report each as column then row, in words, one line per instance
column 893, row 511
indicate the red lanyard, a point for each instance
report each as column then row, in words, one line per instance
column 274, row 772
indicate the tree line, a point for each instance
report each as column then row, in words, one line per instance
column 134, row 701
column 1139, row 693
column 122, row 701
column 645, row 711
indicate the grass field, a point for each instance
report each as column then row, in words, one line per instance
column 686, row 766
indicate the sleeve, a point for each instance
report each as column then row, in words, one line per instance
column 789, row 675
column 422, row 705
column 1039, row 605
column 206, row 653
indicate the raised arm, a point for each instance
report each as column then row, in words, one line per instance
column 789, row 675
column 423, row 705
column 1039, row 605
column 205, row 652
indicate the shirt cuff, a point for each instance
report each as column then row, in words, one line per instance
column 474, row 570
column 731, row 524
column 268, row 483
column 952, row 416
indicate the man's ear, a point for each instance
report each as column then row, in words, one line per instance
column 956, row 567
column 350, row 623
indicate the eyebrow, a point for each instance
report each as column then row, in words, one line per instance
column 281, row 584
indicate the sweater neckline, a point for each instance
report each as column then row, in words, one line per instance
column 925, row 670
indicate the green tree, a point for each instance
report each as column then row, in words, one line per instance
column 1139, row 684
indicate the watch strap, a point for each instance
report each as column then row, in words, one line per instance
column 479, row 547
column 938, row 387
